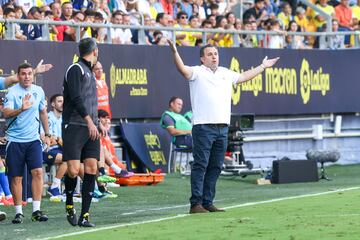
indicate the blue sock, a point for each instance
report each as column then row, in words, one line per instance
column 4, row 182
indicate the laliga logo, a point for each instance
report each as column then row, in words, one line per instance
column 305, row 81
column 311, row 80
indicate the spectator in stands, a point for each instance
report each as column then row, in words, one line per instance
column 32, row 31
column 54, row 154
column 212, row 19
column 248, row 40
column 301, row 19
column 356, row 10
column 162, row 20
column 230, row 17
column 345, row 15
column 159, row 39
column 333, row 41
column 257, row 11
column 62, row 31
column 25, row 4
column 148, row 33
column 82, row 5
column 155, row 8
column 70, row 32
column 167, row 6
column 67, row 11
column 182, row 22
column 295, row 41
column 9, row 13
column 176, row 124
column 199, row 4
column 276, row 41
column 211, row 105
column 118, row 35
column 102, row 88
column 183, row 6
column 102, row 7
column 284, row 17
column 319, row 20
column 22, row 116
column 98, row 33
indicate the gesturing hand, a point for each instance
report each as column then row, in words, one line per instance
column 26, row 104
column 41, row 68
column 172, row 45
column 269, row 62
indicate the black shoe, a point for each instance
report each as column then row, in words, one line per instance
column 84, row 221
column 19, row 218
column 2, row 216
column 71, row 215
column 39, row 216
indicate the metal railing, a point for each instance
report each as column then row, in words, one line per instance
column 45, row 25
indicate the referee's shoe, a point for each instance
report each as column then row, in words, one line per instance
column 84, row 221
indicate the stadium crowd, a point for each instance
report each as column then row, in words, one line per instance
column 273, row 15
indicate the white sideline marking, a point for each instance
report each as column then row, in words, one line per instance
column 185, row 215
column 164, row 208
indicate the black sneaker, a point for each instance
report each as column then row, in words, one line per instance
column 84, row 221
column 19, row 218
column 38, row 216
column 71, row 215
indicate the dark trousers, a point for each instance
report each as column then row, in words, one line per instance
column 209, row 146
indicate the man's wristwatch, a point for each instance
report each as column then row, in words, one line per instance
column 47, row 135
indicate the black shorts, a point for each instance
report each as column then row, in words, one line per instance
column 77, row 145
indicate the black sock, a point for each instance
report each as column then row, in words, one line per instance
column 87, row 191
column 102, row 188
column 70, row 185
column 102, row 171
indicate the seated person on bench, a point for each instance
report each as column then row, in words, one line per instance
column 178, row 125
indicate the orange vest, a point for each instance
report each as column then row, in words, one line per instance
column 103, row 96
column 106, row 142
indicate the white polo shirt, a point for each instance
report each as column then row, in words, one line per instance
column 210, row 94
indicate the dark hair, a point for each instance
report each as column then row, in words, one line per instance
column 7, row 11
column 24, row 66
column 86, row 46
column 192, row 17
column 89, row 12
column 34, row 10
column 289, row 26
column 181, row 13
column 99, row 16
column 76, row 13
column 118, row 12
column 202, row 49
column 53, row 97
column 206, row 21
column 173, row 99
column 159, row 16
column 102, row 113
column 64, row 3
column 48, row 13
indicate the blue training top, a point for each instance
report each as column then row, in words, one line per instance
column 26, row 126
column 54, row 124
column 2, row 83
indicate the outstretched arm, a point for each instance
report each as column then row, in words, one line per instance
column 186, row 71
column 40, row 68
column 250, row 74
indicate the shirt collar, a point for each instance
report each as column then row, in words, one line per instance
column 85, row 62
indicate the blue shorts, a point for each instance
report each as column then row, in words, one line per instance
column 19, row 154
column 50, row 156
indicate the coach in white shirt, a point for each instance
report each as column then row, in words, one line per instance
column 210, row 93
